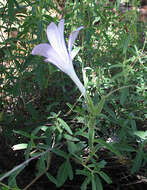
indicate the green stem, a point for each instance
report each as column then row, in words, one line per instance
column 91, row 133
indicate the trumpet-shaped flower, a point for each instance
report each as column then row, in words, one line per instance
column 57, row 53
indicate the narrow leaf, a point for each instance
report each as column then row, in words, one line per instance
column 70, row 171
column 98, row 183
column 90, row 104
column 62, row 174
column 105, row 177
column 141, row 134
column 51, row 178
column 65, row 126
column 93, row 182
column 72, row 148
column 108, row 146
column 11, row 9
column 60, row 153
column 85, row 183
column 123, row 97
column 137, row 162
column 100, row 105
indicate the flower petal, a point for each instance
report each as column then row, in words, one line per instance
column 72, row 38
column 41, row 49
column 50, row 54
column 53, row 36
column 56, row 38
column 61, row 27
column 61, row 32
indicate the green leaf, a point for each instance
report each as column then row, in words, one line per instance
column 39, row 72
column 62, row 174
column 100, row 105
column 110, row 111
column 70, row 138
column 101, row 164
column 12, row 178
column 41, row 165
column 36, row 130
column 91, row 137
column 39, row 31
column 1, row 116
column 108, row 146
column 123, row 147
column 70, row 171
column 81, row 133
column 98, row 183
column 65, row 126
column 141, row 134
column 93, row 182
column 72, row 148
column 123, row 97
column 118, row 4
column 90, row 104
column 137, row 162
column 60, row 153
column 133, row 125
column 32, row 111
column 11, row 9
column 105, row 177
column 118, row 65
column 85, row 183
column 126, row 44
column 118, row 76
column 83, row 172
column 27, row 152
column 23, row 133
column 51, row 178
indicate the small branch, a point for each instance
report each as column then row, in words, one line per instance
column 43, row 172
column 37, row 177
column 24, row 164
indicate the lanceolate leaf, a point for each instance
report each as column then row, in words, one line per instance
column 60, row 153
column 85, row 183
column 65, row 171
column 137, row 161
column 98, row 183
column 11, row 9
column 93, row 182
column 70, row 171
column 62, row 174
column 100, row 105
column 51, row 178
column 109, row 147
column 65, row 126
column 105, row 177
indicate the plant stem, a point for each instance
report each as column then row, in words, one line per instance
column 91, row 133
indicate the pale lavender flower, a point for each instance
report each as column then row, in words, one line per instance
column 57, row 53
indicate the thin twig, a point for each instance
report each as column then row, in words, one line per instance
column 24, row 164
column 43, row 172
column 37, row 177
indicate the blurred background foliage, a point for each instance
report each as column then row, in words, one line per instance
column 113, row 55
